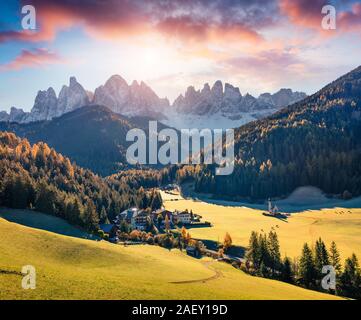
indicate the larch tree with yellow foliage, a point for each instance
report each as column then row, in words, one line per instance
column 227, row 242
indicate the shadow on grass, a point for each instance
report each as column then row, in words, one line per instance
column 38, row 220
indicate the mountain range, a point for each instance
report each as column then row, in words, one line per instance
column 315, row 141
column 229, row 101
column 138, row 99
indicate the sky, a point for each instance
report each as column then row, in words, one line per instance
column 258, row 46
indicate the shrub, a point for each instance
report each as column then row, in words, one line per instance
column 101, row 233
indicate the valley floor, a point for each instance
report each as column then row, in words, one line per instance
column 342, row 225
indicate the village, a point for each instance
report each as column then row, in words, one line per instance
column 163, row 227
column 169, row 229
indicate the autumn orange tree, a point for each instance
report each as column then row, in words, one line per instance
column 227, row 242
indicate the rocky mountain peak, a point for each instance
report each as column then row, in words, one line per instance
column 72, row 97
column 229, row 101
column 135, row 84
column 135, row 99
column 231, row 91
column 45, row 106
column 16, row 115
column 217, row 89
column 73, row 82
column 206, row 89
column 190, row 93
column 116, row 81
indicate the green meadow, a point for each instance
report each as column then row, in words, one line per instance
column 75, row 268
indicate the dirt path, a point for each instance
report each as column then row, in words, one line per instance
column 207, row 264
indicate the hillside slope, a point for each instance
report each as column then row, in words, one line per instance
column 81, row 269
column 314, row 142
column 38, row 177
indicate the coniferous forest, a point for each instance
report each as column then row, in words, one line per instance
column 37, row 177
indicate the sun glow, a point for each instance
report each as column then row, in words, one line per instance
column 154, row 61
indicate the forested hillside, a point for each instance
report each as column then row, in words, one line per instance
column 36, row 176
column 314, row 142
column 92, row 136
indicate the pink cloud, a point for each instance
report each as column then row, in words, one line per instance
column 32, row 58
column 306, row 13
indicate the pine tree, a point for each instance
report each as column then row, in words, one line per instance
column 264, row 254
column 335, row 257
column 350, row 280
column 286, row 273
column 263, row 270
column 252, row 253
column 90, row 216
column 156, row 201
column 274, row 252
column 307, row 270
column 103, row 218
column 321, row 256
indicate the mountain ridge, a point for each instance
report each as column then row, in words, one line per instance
column 138, row 99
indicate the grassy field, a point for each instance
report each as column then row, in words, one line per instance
column 74, row 268
column 340, row 225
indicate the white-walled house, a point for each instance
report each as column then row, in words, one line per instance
column 183, row 217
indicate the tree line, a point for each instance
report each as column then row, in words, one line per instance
column 263, row 258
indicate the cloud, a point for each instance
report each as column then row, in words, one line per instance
column 187, row 20
column 265, row 70
column 307, row 13
column 32, row 58
column 265, row 61
column 351, row 20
